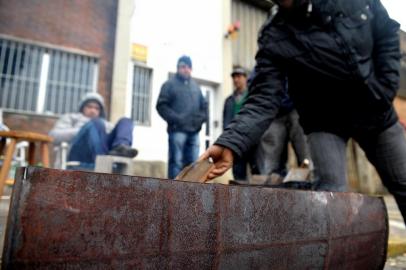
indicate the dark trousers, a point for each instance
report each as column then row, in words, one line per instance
column 272, row 153
column 92, row 140
column 385, row 150
column 240, row 166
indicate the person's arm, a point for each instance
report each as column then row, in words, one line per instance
column 261, row 107
column 163, row 105
column 386, row 52
column 64, row 129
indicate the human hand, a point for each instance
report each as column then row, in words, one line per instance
column 222, row 159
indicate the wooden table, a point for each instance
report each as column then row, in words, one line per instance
column 16, row 136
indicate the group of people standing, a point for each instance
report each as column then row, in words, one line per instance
column 270, row 154
column 182, row 105
column 338, row 60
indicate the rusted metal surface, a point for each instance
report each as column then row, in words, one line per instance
column 81, row 220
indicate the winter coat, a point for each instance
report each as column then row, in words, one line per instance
column 182, row 105
column 229, row 109
column 68, row 125
column 342, row 64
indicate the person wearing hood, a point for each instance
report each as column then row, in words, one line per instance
column 89, row 134
column 342, row 62
column 182, row 105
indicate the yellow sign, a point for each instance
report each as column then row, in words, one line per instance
column 139, row 52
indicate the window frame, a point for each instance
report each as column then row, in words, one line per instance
column 40, row 95
column 147, row 107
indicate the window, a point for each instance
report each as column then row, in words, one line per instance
column 141, row 95
column 40, row 79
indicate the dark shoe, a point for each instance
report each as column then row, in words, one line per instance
column 123, row 150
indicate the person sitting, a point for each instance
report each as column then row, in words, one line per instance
column 89, row 134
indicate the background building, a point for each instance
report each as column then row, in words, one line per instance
column 51, row 53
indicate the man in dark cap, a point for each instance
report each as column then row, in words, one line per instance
column 342, row 60
column 232, row 106
column 182, row 105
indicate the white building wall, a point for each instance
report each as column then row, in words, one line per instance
column 170, row 29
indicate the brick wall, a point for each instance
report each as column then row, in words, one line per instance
column 87, row 25
column 29, row 122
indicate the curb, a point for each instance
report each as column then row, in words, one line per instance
column 396, row 247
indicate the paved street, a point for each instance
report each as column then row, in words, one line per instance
column 397, row 230
column 397, row 236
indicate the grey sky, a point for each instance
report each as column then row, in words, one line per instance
column 396, row 10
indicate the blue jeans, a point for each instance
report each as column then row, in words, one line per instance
column 92, row 140
column 183, row 150
column 385, row 150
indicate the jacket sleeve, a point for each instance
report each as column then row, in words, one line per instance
column 163, row 105
column 64, row 130
column 261, row 106
column 386, row 53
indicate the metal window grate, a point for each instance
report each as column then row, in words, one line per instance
column 141, row 95
column 20, row 67
column 69, row 77
column 40, row 79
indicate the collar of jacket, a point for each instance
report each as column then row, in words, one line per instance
column 321, row 10
column 182, row 79
column 243, row 92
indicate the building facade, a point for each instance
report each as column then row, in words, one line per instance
column 51, row 53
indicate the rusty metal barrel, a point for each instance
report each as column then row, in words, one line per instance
column 83, row 220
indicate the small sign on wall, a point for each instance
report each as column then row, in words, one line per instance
column 139, row 52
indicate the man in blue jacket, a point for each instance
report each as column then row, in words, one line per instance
column 182, row 105
column 342, row 61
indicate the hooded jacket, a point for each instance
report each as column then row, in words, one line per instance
column 68, row 125
column 341, row 58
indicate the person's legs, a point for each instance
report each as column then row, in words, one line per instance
column 272, row 147
column 177, row 142
column 120, row 139
column 89, row 142
column 240, row 169
column 191, row 149
column 328, row 152
column 122, row 134
column 387, row 152
column 298, row 138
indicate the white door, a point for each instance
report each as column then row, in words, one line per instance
column 208, row 128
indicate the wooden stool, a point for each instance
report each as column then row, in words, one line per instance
column 16, row 136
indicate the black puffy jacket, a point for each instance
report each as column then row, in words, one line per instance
column 342, row 64
column 182, row 105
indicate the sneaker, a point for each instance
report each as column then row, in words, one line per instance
column 123, row 150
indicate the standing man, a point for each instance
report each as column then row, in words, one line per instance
column 182, row 105
column 232, row 106
column 342, row 61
